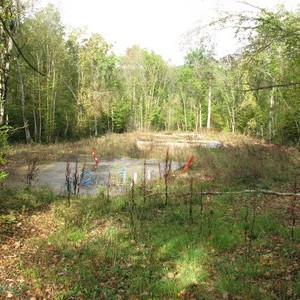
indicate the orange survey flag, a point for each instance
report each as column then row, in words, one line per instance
column 189, row 162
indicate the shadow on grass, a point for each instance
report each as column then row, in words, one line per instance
column 105, row 262
column 100, row 252
column 125, row 249
column 16, row 204
column 20, row 199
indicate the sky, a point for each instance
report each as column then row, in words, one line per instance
column 158, row 25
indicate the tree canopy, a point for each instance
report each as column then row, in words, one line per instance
column 59, row 86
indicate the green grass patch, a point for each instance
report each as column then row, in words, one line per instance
column 137, row 246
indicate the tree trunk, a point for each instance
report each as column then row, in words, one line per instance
column 271, row 115
column 39, row 106
column 35, row 125
column 184, row 113
column 95, row 126
column 25, row 121
column 209, row 107
column 232, row 120
column 5, row 55
column 200, row 116
column 67, row 127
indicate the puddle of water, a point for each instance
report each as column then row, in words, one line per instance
column 118, row 173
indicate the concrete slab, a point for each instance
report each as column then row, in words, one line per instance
column 117, row 173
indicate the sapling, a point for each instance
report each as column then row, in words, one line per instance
column 167, row 174
column 81, row 178
column 76, row 179
column 292, row 208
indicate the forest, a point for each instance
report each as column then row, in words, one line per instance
column 128, row 177
column 58, row 84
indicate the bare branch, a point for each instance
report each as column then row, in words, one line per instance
column 252, row 192
column 269, row 87
column 18, row 48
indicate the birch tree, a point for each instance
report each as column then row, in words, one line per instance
column 8, row 21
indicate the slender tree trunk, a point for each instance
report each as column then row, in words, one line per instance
column 209, row 107
column 67, row 127
column 25, row 121
column 271, row 115
column 200, row 116
column 39, row 106
column 47, row 121
column 53, row 101
column 95, row 125
column 35, row 125
column 197, row 118
column 112, row 120
column 141, row 116
column 233, row 120
column 184, row 112
column 5, row 54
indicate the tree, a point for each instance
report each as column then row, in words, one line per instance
column 268, row 65
column 273, row 56
column 8, row 21
column 43, row 90
column 96, row 84
column 146, row 79
column 201, row 79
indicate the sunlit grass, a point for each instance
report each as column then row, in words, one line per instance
column 212, row 247
column 190, row 268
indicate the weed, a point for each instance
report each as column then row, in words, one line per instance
column 133, row 246
column 32, row 170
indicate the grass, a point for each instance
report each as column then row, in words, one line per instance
column 228, row 246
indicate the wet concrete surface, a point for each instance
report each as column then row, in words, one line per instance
column 116, row 173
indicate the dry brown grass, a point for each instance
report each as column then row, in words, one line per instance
column 122, row 145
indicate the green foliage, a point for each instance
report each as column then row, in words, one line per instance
column 25, row 200
column 88, row 91
column 4, row 134
column 168, row 257
column 135, row 246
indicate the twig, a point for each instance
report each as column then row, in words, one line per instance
column 6, row 237
column 268, row 87
column 252, row 192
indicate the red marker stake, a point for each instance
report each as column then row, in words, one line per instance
column 97, row 161
column 189, row 162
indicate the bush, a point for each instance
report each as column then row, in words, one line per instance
column 4, row 130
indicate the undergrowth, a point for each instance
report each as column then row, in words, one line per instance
column 138, row 246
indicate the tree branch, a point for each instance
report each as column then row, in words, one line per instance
column 252, row 192
column 19, row 49
column 269, row 87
